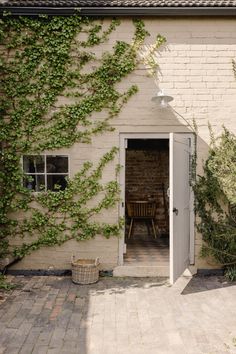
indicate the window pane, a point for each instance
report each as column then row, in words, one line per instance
column 56, row 182
column 33, row 164
column 57, row 164
column 35, row 182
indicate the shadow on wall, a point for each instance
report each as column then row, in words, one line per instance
column 170, row 120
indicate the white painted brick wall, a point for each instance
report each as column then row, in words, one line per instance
column 195, row 67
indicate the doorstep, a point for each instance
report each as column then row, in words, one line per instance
column 141, row 271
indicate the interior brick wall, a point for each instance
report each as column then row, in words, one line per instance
column 147, row 171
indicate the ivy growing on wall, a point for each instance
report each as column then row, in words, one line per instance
column 216, row 202
column 41, row 61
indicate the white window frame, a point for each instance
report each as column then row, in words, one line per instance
column 45, row 174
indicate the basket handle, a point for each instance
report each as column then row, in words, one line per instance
column 72, row 258
column 96, row 261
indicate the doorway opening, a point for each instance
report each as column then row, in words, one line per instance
column 147, row 202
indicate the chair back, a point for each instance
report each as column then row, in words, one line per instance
column 141, row 209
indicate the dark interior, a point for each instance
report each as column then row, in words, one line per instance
column 147, row 202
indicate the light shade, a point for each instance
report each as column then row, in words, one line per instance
column 162, row 99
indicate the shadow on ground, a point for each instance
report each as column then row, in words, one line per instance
column 199, row 284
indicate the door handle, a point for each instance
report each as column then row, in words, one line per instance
column 176, row 211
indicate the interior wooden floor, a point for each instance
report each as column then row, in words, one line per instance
column 145, row 250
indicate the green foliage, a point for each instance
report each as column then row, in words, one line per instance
column 4, row 285
column 42, row 61
column 230, row 273
column 216, row 202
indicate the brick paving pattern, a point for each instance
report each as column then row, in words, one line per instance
column 119, row 316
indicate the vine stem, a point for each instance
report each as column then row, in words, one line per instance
column 180, row 115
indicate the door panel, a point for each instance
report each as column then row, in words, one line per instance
column 179, row 205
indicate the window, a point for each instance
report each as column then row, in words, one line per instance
column 46, row 172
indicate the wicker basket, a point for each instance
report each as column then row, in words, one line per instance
column 84, row 271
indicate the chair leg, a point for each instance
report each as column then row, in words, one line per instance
column 154, row 230
column 130, row 227
column 148, row 226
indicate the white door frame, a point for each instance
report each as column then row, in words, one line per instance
column 124, row 137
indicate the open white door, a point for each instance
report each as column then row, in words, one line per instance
column 179, row 205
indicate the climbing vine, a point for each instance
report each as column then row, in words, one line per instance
column 216, row 202
column 42, row 61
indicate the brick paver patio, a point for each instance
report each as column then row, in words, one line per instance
column 119, row 316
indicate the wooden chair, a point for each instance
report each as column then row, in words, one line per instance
column 141, row 210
